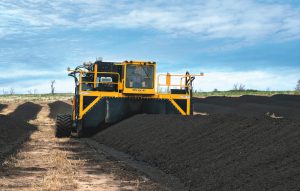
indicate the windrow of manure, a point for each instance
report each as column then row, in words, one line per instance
column 59, row 107
column 3, row 106
column 220, row 151
column 15, row 129
column 287, row 106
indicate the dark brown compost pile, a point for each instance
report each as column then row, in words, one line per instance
column 59, row 107
column 235, row 146
column 2, row 106
column 14, row 128
column 27, row 111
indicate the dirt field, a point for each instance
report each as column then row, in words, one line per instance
column 245, row 143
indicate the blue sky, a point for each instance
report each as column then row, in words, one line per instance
column 256, row 43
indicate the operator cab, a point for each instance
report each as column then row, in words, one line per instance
column 139, row 77
column 128, row 77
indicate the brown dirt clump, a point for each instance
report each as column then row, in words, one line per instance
column 224, row 150
column 59, row 107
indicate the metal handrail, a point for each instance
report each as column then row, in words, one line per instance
column 171, row 75
column 94, row 82
column 176, row 85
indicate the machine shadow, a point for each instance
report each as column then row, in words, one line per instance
column 102, row 127
column 10, row 170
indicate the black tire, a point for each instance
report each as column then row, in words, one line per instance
column 63, row 126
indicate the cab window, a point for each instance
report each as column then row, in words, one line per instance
column 139, row 76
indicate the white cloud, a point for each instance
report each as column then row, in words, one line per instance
column 247, row 20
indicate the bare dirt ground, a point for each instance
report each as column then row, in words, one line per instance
column 39, row 161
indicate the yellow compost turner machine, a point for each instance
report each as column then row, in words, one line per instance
column 107, row 92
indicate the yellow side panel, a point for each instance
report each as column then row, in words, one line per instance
column 138, row 91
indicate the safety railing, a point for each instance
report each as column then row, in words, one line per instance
column 168, row 82
column 95, row 82
column 180, row 77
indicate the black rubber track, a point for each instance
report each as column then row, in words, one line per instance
column 63, row 126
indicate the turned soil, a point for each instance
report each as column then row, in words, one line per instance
column 287, row 106
column 59, row 107
column 2, row 106
column 243, row 143
column 15, row 129
column 25, row 112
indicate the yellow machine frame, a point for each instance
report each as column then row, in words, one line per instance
column 124, row 92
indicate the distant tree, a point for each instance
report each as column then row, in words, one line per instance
column 239, row 87
column 235, row 87
column 216, row 90
column 12, row 91
column 4, row 92
column 298, row 86
column 29, row 91
column 242, row 87
column 52, row 86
